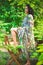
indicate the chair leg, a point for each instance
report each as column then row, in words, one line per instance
column 12, row 55
column 10, row 61
column 14, row 58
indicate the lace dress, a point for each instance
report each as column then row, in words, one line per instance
column 25, row 34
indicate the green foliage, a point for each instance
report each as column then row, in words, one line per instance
column 13, row 48
column 11, row 15
column 40, row 50
column 3, row 57
column 12, row 12
column 38, row 54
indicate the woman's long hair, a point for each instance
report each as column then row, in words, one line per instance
column 30, row 10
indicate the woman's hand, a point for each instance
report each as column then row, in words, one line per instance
column 19, row 27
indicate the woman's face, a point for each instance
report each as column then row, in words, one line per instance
column 26, row 10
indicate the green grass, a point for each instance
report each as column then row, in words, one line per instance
column 4, row 58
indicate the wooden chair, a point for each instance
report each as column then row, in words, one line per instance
column 13, row 56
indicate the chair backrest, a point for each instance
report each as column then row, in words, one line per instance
column 6, row 40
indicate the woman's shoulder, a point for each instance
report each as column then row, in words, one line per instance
column 30, row 16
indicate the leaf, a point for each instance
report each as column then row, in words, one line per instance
column 39, row 62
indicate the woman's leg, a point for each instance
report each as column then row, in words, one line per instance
column 13, row 33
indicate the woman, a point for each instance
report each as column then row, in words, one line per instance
column 27, row 25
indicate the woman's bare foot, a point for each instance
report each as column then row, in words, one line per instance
column 28, row 63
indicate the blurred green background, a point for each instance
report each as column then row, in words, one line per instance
column 12, row 14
